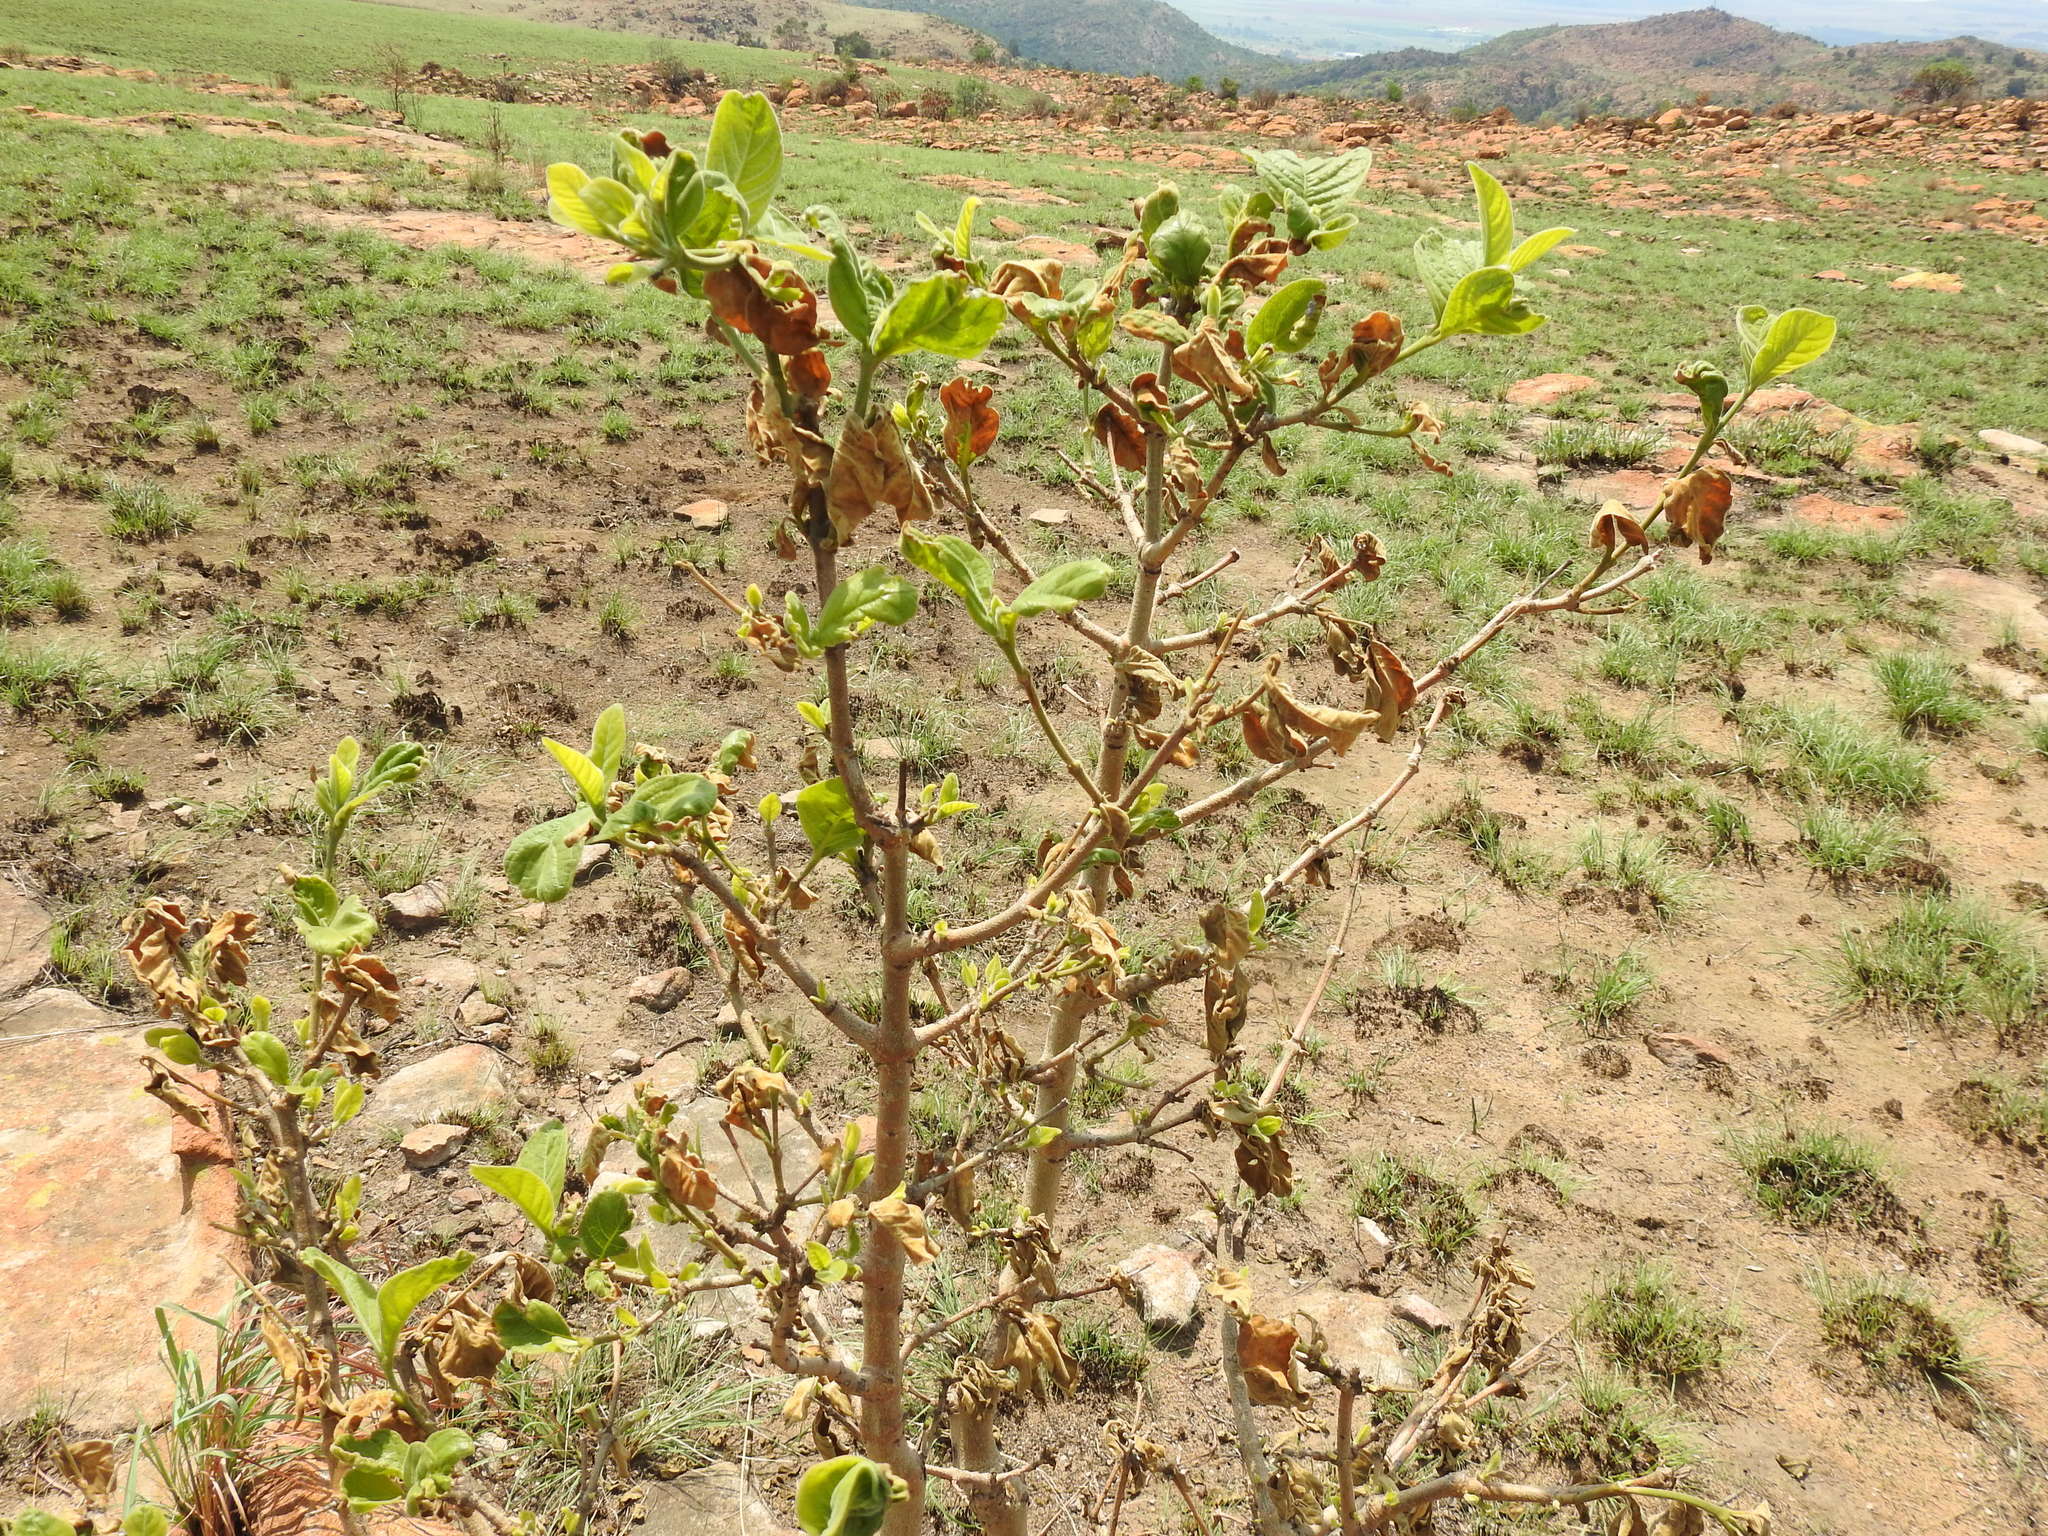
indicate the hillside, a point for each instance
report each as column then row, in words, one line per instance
column 1125, row 37
column 807, row 25
column 1638, row 66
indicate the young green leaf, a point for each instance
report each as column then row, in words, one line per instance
column 1496, row 216
column 1179, row 250
column 1790, row 341
column 938, row 314
column 873, row 596
column 1286, row 322
column 351, row 1288
column 746, row 147
column 398, row 1297
column 605, row 1222
column 663, row 801
column 608, row 742
column 825, row 813
column 1059, row 589
column 588, row 778
column 330, row 923
column 546, row 1156
column 859, row 290
column 961, row 567
column 1484, row 304
column 266, row 1053
column 523, row 1187
column 542, row 860
column 535, row 1328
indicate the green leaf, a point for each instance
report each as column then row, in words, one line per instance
column 542, row 860
column 330, row 923
column 1179, row 250
column 1484, row 304
column 1326, row 185
column 348, row 1101
column 859, row 290
column 938, row 314
column 535, row 1328
column 664, row 800
column 605, row 1222
column 1751, row 322
column 1059, row 589
column 873, row 596
column 445, row 1449
column 146, row 1520
column 1536, row 247
column 825, row 812
column 1791, row 341
column 34, row 1522
column 589, row 779
column 1286, row 322
column 746, row 147
column 1496, row 216
column 846, row 1496
column 1442, row 263
column 267, row 1055
column 398, row 1297
column 546, row 1156
column 608, row 742
column 351, row 1288
column 523, row 1187
column 566, row 204
column 174, row 1043
column 961, row 567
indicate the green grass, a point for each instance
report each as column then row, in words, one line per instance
column 1812, row 1178
column 1606, row 997
column 1418, row 1207
column 1648, row 1325
column 1925, row 695
column 1946, row 961
column 1847, row 847
column 1830, row 753
column 1642, row 867
column 143, row 512
column 1994, row 1105
column 1597, row 445
column 1891, row 1325
column 34, row 582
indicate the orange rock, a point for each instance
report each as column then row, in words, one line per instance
column 1830, row 513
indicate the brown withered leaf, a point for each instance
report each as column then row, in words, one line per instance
column 870, row 470
column 1041, row 279
column 1229, row 932
column 907, row 1222
column 1257, row 265
column 1186, row 752
column 1147, row 390
column 777, row 439
column 1265, row 1354
column 1307, row 720
column 1375, row 344
column 88, row 1466
column 1123, row 437
column 1205, row 359
column 809, row 374
column 1263, row 1164
column 758, row 298
column 1266, row 737
column 469, row 1348
column 1233, row 1287
column 1098, row 937
column 1185, row 471
column 971, row 422
column 686, row 1181
column 301, row 1366
column 156, row 933
column 368, row 1413
column 368, row 982
column 1150, row 682
column 1038, row 1357
column 1696, row 507
column 1392, row 692
column 226, row 947
column 750, row 1092
column 1614, row 527
column 531, row 1280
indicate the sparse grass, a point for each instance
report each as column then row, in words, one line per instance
column 143, row 512
column 1607, row 996
column 1417, row 1207
column 1493, row 841
column 34, row 582
column 1602, row 1429
column 1110, row 1358
column 1994, row 1105
column 1597, row 445
column 617, row 619
column 1945, row 960
column 1924, row 694
column 1649, row 1326
column 548, row 1052
column 1846, row 847
column 1831, row 753
column 1892, row 1326
column 1812, row 1178
column 1642, row 867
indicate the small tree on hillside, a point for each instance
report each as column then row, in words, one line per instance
column 1944, row 80
column 1023, row 993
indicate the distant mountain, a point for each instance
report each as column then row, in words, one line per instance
column 1638, row 66
column 1111, row 37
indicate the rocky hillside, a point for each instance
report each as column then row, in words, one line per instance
column 1642, row 66
column 796, row 24
column 1125, row 37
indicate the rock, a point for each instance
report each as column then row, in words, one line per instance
column 424, row 906
column 707, row 516
column 1996, row 602
column 1374, row 1246
column 716, row 1498
column 1686, row 1051
column 660, row 991
column 24, row 940
column 105, row 1219
column 1931, row 282
column 1357, row 1334
column 1548, row 388
column 1423, row 1313
column 1168, row 1286
column 452, row 974
column 1049, row 517
column 459, row 1080
column 2001, row 441
column 1829, row 512
column 624, row 1060
column 431, row 1145
column 593, row 856
column 479, row 1012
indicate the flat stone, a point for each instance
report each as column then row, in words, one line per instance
column 479, row 1012
column 717, row 1498
column 2000, row 441
column 1049, row 517
column 462, row 1079
column 1423, row 1313
column 423, row 906
column 1548, row 388
column 1168, row 1286
column 24, row 940
column 1686, row 1051
column 1930, row 282
column 452, row 974
column 660, row 991
column 706, row 516
column 1358, row 1335
column 1994, row 601
column 1375, row 1248
column 104, row 1220
column 431, row 1145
